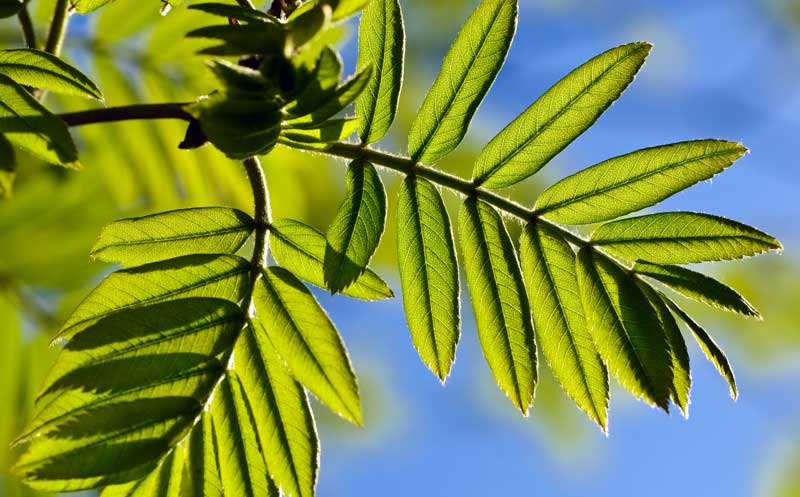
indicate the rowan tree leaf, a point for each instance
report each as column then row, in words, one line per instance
column 356, row 230
column 697, row 286
column 625, row 328
column 204, row 230
column 631, row 182
column 242, row 39
column 203, row 476
column 124, row 391
column 301, row 250
column 381, row 43
column 682, row 238
column 40, row 69
column 321, row 87
column 558, row 117
column 27, row 124
column 243, row 470
column 164, row 481
column 238, row 12
column 467, row 73
column 86, row 6
column 497, row 291
column 428, row 274
column 281, row 415
column 548, row 266
column 222, row 276
column 709, row 347
column 306, row 340
column 681, row 374
column 329, row 131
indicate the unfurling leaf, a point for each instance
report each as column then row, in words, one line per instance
column 682, row 238
column 321, row 87
column 329, row 131
column 548, row 265
column 141, row 240
column 40, row 69
column 428, row 273
column 467, row 73
column 559, row 116
column 698, row 286
column 306, row 340
column 301, row 250
column 501, row 307
column 631, row 182
column 336, row 102
column 356, row 230
column 625, row 329
column 381, row 42
column 27, row 124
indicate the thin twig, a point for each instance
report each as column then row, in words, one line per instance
column 25, row 22
column 127, row 113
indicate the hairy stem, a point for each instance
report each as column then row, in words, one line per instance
column 25, row 22
column 262, row 214
column 126, row 113
column 58, row 28
column 406, row 165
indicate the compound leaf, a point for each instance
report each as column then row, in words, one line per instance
column 548, row 265
column 558, row 117
column 301, row 249
column 44, row 70
column 698, row 286
column 625, row 329
column 682, row 238
column 428, row 274
column 501, row 307
column 356, row 230
column 204, row 230
column 634, row 181
column 381, row 42
column 306, row 340
column 202, row 466
column 467, row 73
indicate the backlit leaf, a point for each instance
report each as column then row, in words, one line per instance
column 501, row 307
column 428, row 273
column 467, row 72
column 40, row 69
column 336, row 102
column 682, row 238
column 634, row 181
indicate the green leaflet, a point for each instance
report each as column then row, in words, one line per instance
column 548, row 265
column 631, row 182
column 301, row 249
column 342, row 9
column 240, row 127
column 681, row 374
column 86, row 6
column 429, row 274
column 323, row 84
column 242, row 39
column 124, row 391
column 303, row 27
column 682, row 238
column 43, row 70
column 336, row 102
column 281, row 415
column 223, row 276
column 499, row 301
column 559, row 116
column 8, row 167
column 203, row 476
column 712, row 351
column 329, row 131
column 204, row 230
column 624, row 328
column 307, row 341
column 698, row 286
column 27, row 124
column 237, row 79
column 163, row 481
column 243, row 470
column 245, row 14
column 468, row 70
column 381, row 42
column 356, row 230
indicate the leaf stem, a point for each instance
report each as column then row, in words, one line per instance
column 406, row 165
column 25, row 22
column 58, row 28
column 128, row 112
